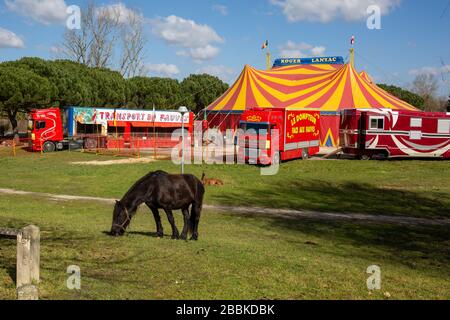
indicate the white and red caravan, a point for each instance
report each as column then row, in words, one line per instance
column 388, row 133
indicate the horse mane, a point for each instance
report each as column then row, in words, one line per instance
column 141, row 181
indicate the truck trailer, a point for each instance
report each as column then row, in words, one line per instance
column 385, row 133
column 298, row 135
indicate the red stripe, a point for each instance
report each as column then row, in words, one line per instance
column 250, row 97
column 347, row 97
column 231, row 103
column 372, row 101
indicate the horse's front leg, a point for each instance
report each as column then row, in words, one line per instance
column 175, row 232
column 159, row 227
column 186, row 223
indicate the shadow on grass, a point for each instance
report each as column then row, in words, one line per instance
column 416, row 247
column 343, row 198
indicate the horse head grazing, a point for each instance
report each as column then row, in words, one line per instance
column 121, row 220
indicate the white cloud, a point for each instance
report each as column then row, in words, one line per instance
column 162, row 69
column 9, row 39
column 435, row 71
column 292, row 49
column 120, row 12
column 328, row 10
column 222, row 72
column 206, row 53
column 42, row 11
column 57, row 50
column 195, row 38
column 318, row 51
column 223, row 10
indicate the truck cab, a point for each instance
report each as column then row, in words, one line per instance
column 45, row 130
column 273, row 135
column 256, row 145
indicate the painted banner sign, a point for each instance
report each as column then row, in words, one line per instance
column 102, row 116
column 282, row 62
column 302, row 126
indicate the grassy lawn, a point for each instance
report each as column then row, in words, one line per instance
column 237, row 257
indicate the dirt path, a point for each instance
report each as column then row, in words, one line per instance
column 280, row 213
column 113, row 162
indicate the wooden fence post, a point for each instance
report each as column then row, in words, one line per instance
column 28, row 260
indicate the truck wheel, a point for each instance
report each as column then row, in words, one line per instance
column 305, row 154
column 48, row 147
column 90, row 144
column 276, row 158
column 365, row 157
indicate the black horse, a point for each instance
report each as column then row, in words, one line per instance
column 160, row 190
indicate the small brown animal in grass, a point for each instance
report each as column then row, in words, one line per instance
column 211, row 182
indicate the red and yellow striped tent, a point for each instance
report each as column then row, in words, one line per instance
column 328, row 88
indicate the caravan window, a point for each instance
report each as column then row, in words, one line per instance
column 416, row 123
column 376, row 123
column 444, row 126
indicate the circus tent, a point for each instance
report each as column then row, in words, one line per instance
column 328, row 88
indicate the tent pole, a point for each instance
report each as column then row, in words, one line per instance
column 352, row 57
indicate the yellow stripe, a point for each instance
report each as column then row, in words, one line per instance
column 333, row 102
column 261, row 101
column 242, row 97
column 222, row 104
column 359, row 99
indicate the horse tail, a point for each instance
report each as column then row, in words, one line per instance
column 203, row 177
column 196, row 209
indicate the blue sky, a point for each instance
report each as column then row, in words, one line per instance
column 220, row 37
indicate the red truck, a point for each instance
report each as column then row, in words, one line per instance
column 385, row 133
column 298, row 135
column 45, row 130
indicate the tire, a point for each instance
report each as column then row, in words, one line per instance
column 305, row 154
column 48, row 147
column 276, row 159
column 90, row 144
column 365, row 157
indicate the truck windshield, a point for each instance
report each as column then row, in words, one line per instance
column 260, row 128
column 30, row 125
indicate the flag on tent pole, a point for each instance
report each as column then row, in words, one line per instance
column 265, row 45
column 352, row 41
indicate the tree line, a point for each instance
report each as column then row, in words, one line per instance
column 423, row 94
column 33, row 83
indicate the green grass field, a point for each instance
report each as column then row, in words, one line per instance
column 238, row 256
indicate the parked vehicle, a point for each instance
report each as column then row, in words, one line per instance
column 389, row 134
column 298, row 135
column 76, row 127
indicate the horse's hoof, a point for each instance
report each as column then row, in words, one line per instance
column 194, row 238
column 175, row 237
column 183, row 237
column 160, row 235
